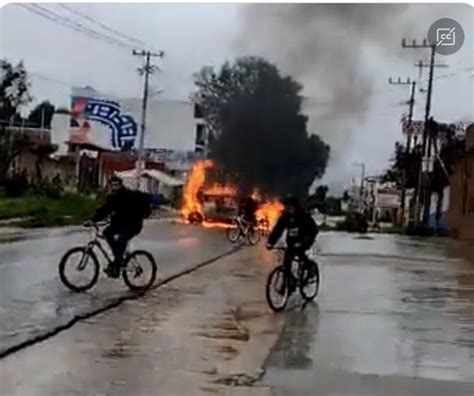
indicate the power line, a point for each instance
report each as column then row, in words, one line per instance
column 85, row 29
column 100, row 24
column 78, row 27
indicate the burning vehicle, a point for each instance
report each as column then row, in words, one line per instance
column 216, row 204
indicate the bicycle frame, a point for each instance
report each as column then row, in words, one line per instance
column 243, row 226
column 95, row 241
column 296, row 259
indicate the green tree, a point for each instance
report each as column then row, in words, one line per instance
column 41, row 115
column 321, row 193
column 404, row 167
column 14, row 93
column 333, row 206
column 259, row 135
column 11, row 145
column 14, row 90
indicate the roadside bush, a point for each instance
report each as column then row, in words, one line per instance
column 17, row 185
column 354, row 222
column 39, row 210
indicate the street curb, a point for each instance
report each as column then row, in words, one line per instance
column 113, row 304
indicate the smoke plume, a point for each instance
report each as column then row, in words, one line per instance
column 325, row 47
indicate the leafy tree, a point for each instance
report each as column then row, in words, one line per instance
column 345, row 196
column 318, row 199
column 41, row 115
column 321, row 193
column 13, row 94
column 11, row 145
column 333, row 206
column 404, row 169
column 14, row 88
column 258, row 134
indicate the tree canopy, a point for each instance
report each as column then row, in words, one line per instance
column 41, row 115
column 258, row 134
column 14, row 88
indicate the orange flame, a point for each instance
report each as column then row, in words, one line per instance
column 269, row 211
column 221, row 189
column 193, row 185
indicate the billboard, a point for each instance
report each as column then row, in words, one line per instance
column 99, row 120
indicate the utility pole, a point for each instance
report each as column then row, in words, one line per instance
column 411, row 104
column 146, row 70
column 426, row 144
column 361, row 188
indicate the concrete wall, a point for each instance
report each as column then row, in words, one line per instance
column 50, row 168
column 170, row 124
column 460, row 219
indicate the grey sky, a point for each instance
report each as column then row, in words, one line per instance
column 194, row 35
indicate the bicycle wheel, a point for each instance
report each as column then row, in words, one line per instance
column 233, row 234
column 277, row 291
column 79, row 269
column 309, row 281
column 253, row 236
column 139, row 272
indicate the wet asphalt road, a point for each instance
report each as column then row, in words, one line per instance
column 33, row 300
column 395, row 317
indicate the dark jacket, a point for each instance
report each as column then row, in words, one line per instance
column 248, row 209
column 126, row 208
column 301, row 228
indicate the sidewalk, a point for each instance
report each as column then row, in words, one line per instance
column 206, row 333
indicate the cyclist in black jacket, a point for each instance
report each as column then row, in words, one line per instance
column 301, row 232
column 126, row 209
column 248, row 210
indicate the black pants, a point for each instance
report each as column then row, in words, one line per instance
column 290, row 254
column 118, row 237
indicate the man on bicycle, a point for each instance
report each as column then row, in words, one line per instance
column 126, row 209
column 248, row 211
column 301, row 232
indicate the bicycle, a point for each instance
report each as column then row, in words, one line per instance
column 307, row 279
column 132, row 266
column 242, row 229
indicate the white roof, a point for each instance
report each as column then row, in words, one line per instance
column 161, row 176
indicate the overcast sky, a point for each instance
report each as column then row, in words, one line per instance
column 194, row 35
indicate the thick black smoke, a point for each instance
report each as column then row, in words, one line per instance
column 325, row 47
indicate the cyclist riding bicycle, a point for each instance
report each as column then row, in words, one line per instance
column 248, row 211
column 126, row 209
column 300, row 236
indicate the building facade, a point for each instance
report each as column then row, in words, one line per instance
column 460, row 218
column 114, row 124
